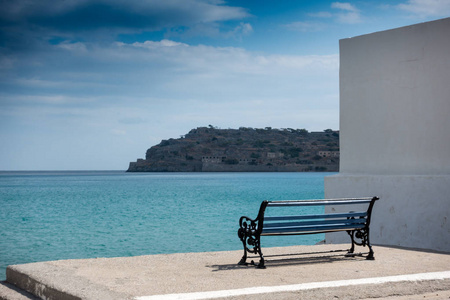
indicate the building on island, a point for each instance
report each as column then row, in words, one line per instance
column 328, row 153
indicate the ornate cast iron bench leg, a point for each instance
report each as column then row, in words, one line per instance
column 370, row 256
column 243, row 238
column 363, row 235
column 352, row 249
column 252, row 241
column 257, row 248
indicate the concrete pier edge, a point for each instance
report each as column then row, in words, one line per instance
column 215, row 275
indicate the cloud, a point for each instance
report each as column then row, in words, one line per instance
column 243, row 29
column 344, row 6
column 427, row 8
column 118, row 132
column 153, row 44
column 77, row 46
column 165, row 74
column 321, row 14
column 215, row 61
column 212, row 30
column 25, row 24
column 351, row 14
column 93, row 14
column 343, row 12
column 306, row 26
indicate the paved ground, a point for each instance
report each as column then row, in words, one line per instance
column 394, row 274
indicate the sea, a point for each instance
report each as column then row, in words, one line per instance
column 54, row 215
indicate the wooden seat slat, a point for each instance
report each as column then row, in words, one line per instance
column 322, row 216
column 316, row 222
column 307, row 229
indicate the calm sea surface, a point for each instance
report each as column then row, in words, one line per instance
column 66, row 215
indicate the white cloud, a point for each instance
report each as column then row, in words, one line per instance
column 167, row 74
column 351, row 14
column 306, row 26
column 349, row 18
column 212, row 30
column 76, row 47
column 343, row 12
column 153, row 44
column 160, row 69
column 321, row 14
column 427, row 8
column 344, row 6
column 243, row 29
column 152, row 66
column 118, row 132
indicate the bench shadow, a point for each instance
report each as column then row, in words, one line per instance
column 291, row 259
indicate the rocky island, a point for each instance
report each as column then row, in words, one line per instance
column 209, row 149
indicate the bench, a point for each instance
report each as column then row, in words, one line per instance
column 355, row 223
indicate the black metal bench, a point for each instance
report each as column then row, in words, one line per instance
column 356, row 223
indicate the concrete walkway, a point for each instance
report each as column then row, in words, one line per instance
column 395, row 273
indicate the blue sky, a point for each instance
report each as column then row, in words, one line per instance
column 92, row 84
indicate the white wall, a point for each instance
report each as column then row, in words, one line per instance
column 395, row 133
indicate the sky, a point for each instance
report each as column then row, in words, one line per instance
column 92, row 84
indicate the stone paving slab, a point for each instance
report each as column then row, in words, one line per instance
column 184, row 273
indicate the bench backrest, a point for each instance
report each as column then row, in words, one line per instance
column 321, row 202
column 314, row 223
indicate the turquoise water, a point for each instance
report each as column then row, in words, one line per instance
column 66, row 215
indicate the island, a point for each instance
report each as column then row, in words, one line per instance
column 210, row 149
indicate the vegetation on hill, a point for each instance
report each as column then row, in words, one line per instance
column 209, row 149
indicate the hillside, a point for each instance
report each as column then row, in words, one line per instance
column 209, row 149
